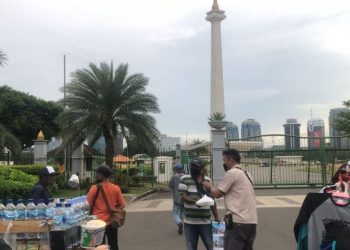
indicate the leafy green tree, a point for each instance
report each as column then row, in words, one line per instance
column 135, row 146
column 342, row 123
column 9, row 141
column 201, row 150
column 101, row 99
column 3, row 58
column 24, row 115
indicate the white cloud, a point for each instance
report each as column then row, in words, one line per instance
column 281, row 57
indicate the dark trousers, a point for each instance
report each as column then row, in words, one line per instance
column 194, row 231
column 240, row 237
column 112, row 237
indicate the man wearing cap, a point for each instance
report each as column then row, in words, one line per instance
column 197, row 219
column 39, row 191
column 178, row 205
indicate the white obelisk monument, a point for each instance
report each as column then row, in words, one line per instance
column 217, row 102
column 215, row 16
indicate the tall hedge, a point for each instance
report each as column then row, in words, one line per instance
column 15, row 184
column 28, row 169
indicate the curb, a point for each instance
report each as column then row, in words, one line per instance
column 143, row 195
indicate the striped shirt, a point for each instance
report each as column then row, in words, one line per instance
column 194, row 214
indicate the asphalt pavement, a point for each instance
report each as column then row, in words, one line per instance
column 155, row 230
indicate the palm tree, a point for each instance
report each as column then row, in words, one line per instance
column 101, row 100
column 3, row 58
column 197, row 141
column 216, row 116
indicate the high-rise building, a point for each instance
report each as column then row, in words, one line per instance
column 232, row 131
column 250, row 128
column 337, row 142
column 292, row 130
column 315, row 129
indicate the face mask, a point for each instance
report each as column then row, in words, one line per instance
column 195, row 172
column 225, row 166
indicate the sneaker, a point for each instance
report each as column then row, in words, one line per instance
column 180, row 228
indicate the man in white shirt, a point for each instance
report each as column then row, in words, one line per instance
column 239, row 199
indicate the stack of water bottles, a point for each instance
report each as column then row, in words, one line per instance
column 63, row 213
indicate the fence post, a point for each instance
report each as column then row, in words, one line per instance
column 152, row 161
column 271, row 168
column 8, row 157
column 309, row 168
column 323, row 161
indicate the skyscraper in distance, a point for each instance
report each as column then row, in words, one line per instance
column 315, row 129
column 292, row 129
column 251, row 128
column 337, row 142
column 232, row 131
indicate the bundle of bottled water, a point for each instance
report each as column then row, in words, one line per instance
column 63, row 213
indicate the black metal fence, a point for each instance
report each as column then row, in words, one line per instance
column 137, row 171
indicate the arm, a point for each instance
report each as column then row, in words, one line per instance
column 120, row 198
column 171, row 183
column 91, row 194
column 214, row 210
column 187, row 199
column 215, row 192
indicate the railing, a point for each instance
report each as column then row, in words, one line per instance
column 277, row 160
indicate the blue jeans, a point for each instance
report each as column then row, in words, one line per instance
column 178, row 213
column 192, row 233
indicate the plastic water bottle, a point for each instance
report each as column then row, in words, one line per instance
column 21, row 215
column 86, row 206
column 2, row 210
column 10, row 210
column 41, row 208
column 32, row 212
column 74, row 206
column 68, row 215
column 58, row 217
column 21, row 210
column 80, row 208
column 50, row 209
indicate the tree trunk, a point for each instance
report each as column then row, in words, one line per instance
column 109, row 150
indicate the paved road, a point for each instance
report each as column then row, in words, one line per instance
column 149, row 223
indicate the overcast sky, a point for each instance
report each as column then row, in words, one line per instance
column 281, row 58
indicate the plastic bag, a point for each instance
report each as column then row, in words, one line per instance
column 205, row 201
column 8, row 242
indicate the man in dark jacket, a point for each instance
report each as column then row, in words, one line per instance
column 39, row 191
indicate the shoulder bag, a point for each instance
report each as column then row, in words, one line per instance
column 117, row 214
column 94, row 200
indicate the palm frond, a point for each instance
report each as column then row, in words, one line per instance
column 3, row 58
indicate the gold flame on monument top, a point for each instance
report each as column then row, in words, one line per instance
column 215, row 5
column 41, row 136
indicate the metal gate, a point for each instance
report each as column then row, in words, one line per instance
column 305, row 162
